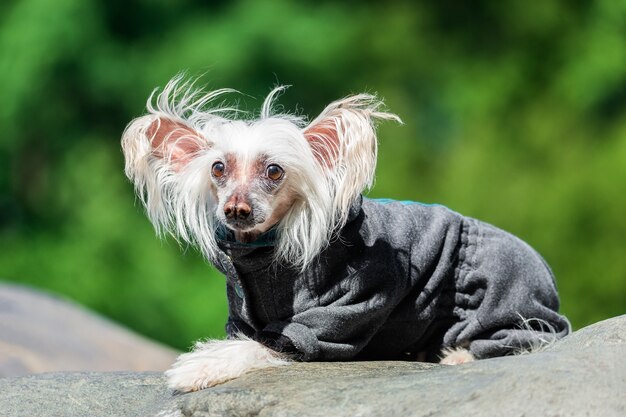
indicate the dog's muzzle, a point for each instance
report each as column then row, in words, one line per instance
column 239, row 215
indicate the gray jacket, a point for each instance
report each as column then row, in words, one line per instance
column 402, row 278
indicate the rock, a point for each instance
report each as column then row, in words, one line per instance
column 43, row 333
column 109, row 394
column 581, row 375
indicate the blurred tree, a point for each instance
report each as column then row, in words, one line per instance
column 514, row 113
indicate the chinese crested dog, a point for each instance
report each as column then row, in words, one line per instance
column 314, row 270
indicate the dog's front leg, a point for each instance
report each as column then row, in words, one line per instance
column 216, row 361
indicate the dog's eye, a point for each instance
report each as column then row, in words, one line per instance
column 217, row 169
column 274, row 172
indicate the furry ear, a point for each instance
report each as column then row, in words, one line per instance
column 166, row 155
column 174, row 141
column 169, row 140
column 157, row 148
column 343, row 141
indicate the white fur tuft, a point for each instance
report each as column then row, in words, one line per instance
column 456, row 356
column 544, row 335
column 216, row 361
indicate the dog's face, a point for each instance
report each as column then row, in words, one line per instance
column 252, row 175
column 245, row 190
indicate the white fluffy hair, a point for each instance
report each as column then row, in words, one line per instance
column 213, row 362
column 328, row 163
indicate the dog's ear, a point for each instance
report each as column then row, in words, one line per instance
column 171, row 141
column 343, row 141
column 174, row 141
column 156, row 149
column 345, row 130
column 323, row 137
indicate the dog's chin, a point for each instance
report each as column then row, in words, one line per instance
column 247, row 233
column 241, row 226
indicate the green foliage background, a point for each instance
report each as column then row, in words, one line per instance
column 514, row 111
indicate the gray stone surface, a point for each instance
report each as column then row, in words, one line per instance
column 84, row 394
column 43, row 333
column 582, row 375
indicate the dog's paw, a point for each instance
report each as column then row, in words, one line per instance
column 455, row 356
column 216, row 361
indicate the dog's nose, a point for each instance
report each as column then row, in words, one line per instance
column 239, row 210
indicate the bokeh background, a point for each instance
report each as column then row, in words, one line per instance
column 514, row 111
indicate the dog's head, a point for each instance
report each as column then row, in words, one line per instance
column 198, row 168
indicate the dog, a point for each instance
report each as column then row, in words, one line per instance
column 315, row 271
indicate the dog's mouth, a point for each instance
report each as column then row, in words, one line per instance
column 242, row 225
column 253, row 222
column 246, row 231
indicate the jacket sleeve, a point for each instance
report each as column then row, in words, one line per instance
column 341, row 329
column 327, row 333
